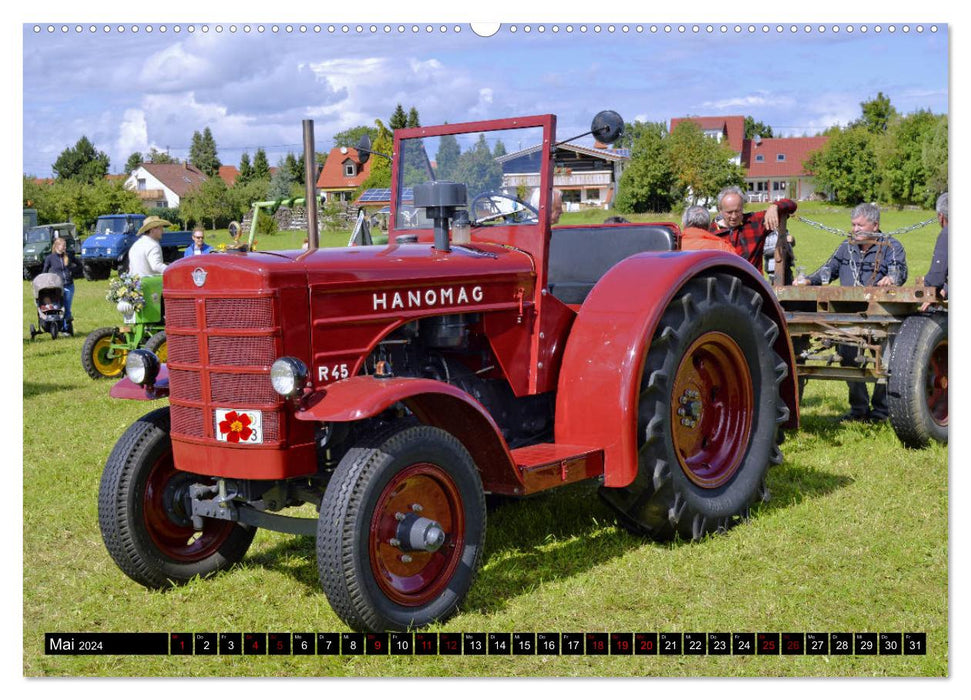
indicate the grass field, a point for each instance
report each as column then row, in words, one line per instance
column 855, row 539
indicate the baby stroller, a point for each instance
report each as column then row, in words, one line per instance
column 49, row 298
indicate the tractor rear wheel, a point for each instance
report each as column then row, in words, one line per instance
column 709, row 414
column 145, row 517
column 917, row 391
column 98, row 357
column 401, row 529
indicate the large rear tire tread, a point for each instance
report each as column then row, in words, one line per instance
column 915, row 374
column 664, row 502
column 122, row 518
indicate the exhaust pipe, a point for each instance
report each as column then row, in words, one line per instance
column 310, row 177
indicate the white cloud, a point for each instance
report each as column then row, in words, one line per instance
column 132, row 133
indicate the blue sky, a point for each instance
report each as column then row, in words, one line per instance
column 129, row 91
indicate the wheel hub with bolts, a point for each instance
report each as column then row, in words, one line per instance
column 712, row 407
column 416, row 534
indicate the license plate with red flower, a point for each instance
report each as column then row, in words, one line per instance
column 239, row 427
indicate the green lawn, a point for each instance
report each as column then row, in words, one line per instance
column 854, row 539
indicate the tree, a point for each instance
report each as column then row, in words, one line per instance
column 82, row 162
column 934, row 156
column 754, row 128
column 261, row 166
column 281, row 184
column 877, row 114
column 134, row 160
column 900, row 158
column 82, row 203
column 203, row 153
column 294, row 168
column 648, row 181
column 702, row 166
column 398, row 119
column 380, row 172
column 846, row 166
column 632, row 130
column 156, row 156
column 413, row 120
column 499, row 150
column 478, row 169
column 351, row 137
column 208, row 201
column 245, row 170
column 447, row 157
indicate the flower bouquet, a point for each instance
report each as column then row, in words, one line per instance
column 125, row 292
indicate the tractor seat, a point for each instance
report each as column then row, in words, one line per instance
column 581, row 255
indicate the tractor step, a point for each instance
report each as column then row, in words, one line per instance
column 546, row 465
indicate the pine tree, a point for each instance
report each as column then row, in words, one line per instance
column 134, row 160
column 398, row 120
column 245, row 170
column 413, row 118
column 261, row 166
column 203, row 154
column 82, row 162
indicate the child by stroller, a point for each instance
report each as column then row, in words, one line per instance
column 49, row 299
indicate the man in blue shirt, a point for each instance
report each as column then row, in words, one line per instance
column 198, row 246
column 868, row 258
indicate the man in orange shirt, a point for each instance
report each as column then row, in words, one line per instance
column 695, row 234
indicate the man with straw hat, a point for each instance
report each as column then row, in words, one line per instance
column 145, row 256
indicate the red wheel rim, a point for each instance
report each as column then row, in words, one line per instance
column 168, row 523
column 711, row 409
column 936, row 384
column 422, row 579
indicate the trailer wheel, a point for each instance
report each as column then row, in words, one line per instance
column 401, row 529
column 144, row 513
column 708, row 416
column 917, row 391
column 98, row 358
column 158, row 345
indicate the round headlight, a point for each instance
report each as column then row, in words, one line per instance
column 141, row 367
column 288, row 375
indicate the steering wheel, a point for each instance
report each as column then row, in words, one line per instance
column 496, row 207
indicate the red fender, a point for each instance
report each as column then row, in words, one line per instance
column 433, row 403
column 596, row 401
column 127, row 389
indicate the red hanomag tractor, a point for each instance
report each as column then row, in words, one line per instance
column 394, row 386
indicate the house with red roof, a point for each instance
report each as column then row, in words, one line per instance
column 773, row 167
column 342, row 174
column 164, row 184
column 228, row 173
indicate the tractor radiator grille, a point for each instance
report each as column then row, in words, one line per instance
column 239, row 313
column 217, row 361
column 180, row 313
column 241, row 352
column 235, row 389
column 184, row 347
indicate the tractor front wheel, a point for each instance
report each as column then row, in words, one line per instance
column 401, row 530
column 708, row 415
column 99, row 358
column 917, row 391
column 144, row 512
column 159, row 346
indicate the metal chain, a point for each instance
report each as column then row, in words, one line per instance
column 838, row 232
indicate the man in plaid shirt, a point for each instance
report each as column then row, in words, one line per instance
column 747, row 232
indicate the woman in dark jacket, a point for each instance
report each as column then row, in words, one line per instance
column 63, row 263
